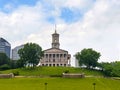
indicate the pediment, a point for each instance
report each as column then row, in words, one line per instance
column 54, row 50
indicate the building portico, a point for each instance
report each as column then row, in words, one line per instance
column 55, row 56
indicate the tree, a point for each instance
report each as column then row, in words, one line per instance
column 20, row 63
column 30, row 54
column 88, row 57
column 13, row 64
column 4, row 59
column 111, row 69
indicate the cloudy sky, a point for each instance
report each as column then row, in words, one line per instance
column 80, row 23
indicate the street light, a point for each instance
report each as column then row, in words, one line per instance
column 94, row 85
column 45, row 86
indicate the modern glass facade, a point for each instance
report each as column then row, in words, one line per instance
column 15, row 55
column 5, row 47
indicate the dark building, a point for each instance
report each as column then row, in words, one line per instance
column 5, row 47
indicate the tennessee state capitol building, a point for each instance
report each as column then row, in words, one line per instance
column 55, row 56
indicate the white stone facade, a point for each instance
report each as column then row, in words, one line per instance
column 55, row 56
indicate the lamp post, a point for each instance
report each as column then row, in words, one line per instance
column 45, row 86
column 94, row 86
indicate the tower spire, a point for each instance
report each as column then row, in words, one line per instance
column 55, row 28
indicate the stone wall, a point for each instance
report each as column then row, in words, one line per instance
column 70, row 75
column 11, row 75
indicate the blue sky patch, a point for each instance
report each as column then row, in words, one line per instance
column 51, row 20
column 9, row 5
column 70, row 16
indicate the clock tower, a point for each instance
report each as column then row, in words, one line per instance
column 55, row 40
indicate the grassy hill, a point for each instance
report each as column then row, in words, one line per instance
column 51, row 71
column 57, row 83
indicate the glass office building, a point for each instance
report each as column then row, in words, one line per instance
column 15, row 55
column 5, row 47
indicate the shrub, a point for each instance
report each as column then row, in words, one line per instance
column 5, row 67
column 16, row 73
column 66, row 71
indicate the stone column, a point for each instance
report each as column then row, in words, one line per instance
column 52, row 59
column 47, row 59
column 44, row 58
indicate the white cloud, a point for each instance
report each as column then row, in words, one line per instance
column 98, row 30
column 81, row 4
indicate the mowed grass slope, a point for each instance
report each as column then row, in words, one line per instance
column 51, row 71
column 59, row 84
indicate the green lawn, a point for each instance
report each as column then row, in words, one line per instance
column 59, row 84
column 49, row 71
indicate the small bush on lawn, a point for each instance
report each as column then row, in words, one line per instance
column 4, row 67
column 66, row 71
column 16, row 73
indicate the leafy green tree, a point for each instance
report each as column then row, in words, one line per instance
column 30, row 54
column 4, row 59
column 116, row 68
column 111, row 69
column 13, row 64
column 106, row 68
column 20, row 63
column 88, row 57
